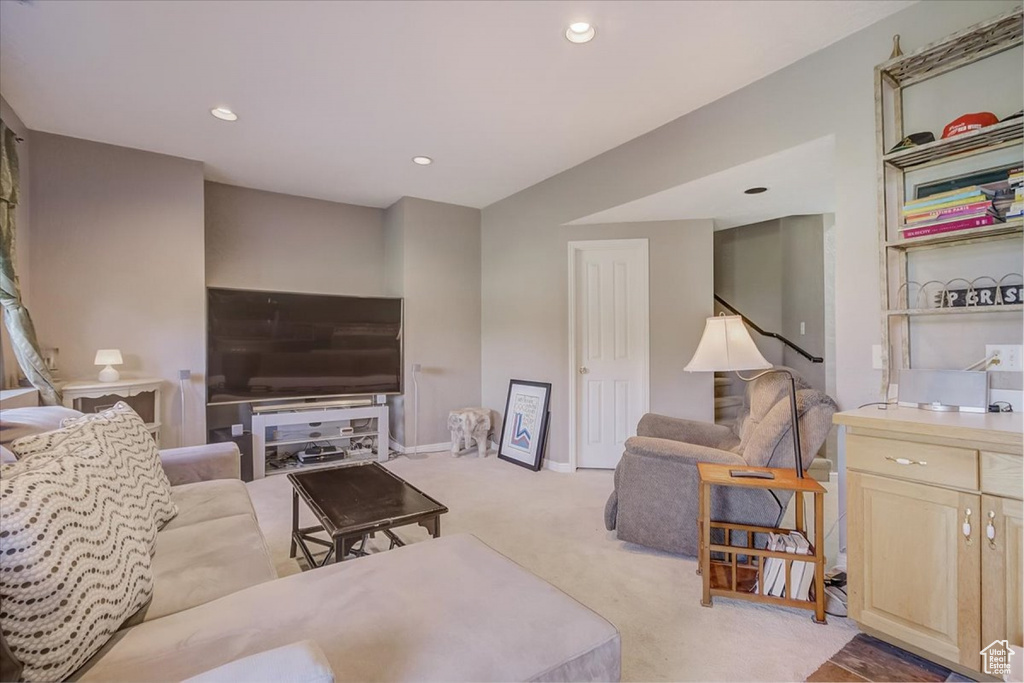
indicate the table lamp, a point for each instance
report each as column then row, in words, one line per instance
column 109, row 358
column 726, row 346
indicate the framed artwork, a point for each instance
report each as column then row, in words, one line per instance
column 524, row 427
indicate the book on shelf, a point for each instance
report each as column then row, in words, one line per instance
column 909, row 232
column 974, row 197
column 946, row 196
column 961, row 210
column 802, row 581
column 772, row 564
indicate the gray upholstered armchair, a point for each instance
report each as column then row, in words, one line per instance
column 655, row 498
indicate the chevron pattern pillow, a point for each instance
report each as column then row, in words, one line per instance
column 122, row 436
column 76, row 559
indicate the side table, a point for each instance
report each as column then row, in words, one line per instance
column 141, row 393
column 733, row 578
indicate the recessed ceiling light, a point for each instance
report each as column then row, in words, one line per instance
column 224, row 114
column 755, row 190
column 422, row 161
column 580, row 32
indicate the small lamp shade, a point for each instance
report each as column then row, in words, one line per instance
column 109, row 357
column 726, row 346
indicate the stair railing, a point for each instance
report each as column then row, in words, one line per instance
column 773, row 335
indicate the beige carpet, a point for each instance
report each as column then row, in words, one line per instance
column 552, row 524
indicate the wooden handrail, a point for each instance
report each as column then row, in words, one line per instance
column 773, row 335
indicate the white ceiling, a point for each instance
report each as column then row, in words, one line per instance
column 800, row 181
column 334, row 98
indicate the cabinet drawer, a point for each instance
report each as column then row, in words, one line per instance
column 927, row 463
column 1002, row 474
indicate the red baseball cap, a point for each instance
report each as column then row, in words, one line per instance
column 968, row 122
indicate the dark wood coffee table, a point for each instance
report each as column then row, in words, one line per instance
column 351, row 502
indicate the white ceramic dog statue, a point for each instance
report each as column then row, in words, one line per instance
column 470, row 425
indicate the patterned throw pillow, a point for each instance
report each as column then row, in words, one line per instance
column 75, row 560
column 122, row 435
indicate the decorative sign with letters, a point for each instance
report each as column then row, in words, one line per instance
column 980, row 296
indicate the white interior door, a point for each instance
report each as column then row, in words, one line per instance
column 609, row 308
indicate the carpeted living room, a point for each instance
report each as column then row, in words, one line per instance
column 431, row 340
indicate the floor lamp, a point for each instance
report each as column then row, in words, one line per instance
column 726, row 346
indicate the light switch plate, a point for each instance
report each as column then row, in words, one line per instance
column 876, row 357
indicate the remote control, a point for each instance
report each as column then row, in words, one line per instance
column 751, row 474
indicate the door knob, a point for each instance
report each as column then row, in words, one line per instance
column 584, row 370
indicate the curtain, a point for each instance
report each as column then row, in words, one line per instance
column 16, row 317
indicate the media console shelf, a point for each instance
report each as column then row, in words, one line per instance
column 295, row 427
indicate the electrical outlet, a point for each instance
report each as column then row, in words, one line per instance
column 416, row 367
column 876, row 357
column 1008, row 355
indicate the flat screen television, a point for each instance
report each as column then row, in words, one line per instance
column 264, row 346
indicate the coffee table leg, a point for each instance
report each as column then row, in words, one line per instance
column 339, row 548
column 295, row 521
column 437, row 526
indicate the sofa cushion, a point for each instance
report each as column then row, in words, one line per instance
column 448, row 609
column 17, row 423
column 122, row 435
column 206, row 500
column 301, row 662
column 76, row 562
column 201, row 562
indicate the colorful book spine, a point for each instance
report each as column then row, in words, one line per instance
column 947, row 195
column 965, row 224
column 921, row 208
column 952, row 211
column 943, row 198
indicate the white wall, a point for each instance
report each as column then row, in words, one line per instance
column 525, row 307
column 433, row 261
column 11, row 371
column 116, row 261
column 277, row 242
column 828, row 93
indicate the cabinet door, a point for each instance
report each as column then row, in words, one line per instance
column 1001, row 570
column 914, row 571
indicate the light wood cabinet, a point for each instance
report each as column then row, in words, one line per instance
column 935, row 530
column 918, row 570
column 1001, row 570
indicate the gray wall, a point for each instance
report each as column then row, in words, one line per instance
column 116, row 261
column 773, row 272
column 11, row 372
column 525, row 331
column 748, row 274
column 433, row 260
column 265, row 240
column 803, row 293
column 828, row 93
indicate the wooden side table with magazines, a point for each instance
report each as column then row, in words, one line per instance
column 739, row 571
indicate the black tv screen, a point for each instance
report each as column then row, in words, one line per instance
column 277, row 345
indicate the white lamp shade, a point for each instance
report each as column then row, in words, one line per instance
column 108, row 357
column 726, row 346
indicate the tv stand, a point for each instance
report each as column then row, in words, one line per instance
column 294, row 430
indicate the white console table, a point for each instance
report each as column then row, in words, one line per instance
column 141, row 393
column 292, row 420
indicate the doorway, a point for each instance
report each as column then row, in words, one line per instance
column 609, row 348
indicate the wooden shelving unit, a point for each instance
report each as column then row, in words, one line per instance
column 961, row 49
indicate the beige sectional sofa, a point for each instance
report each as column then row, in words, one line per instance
column 446, row 609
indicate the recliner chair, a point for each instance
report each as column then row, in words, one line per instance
column 656, row 485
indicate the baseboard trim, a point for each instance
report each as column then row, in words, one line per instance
column 563, row 467
column 424, row 448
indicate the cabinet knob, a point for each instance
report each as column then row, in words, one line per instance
column 966, row 528
column 990, row 529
